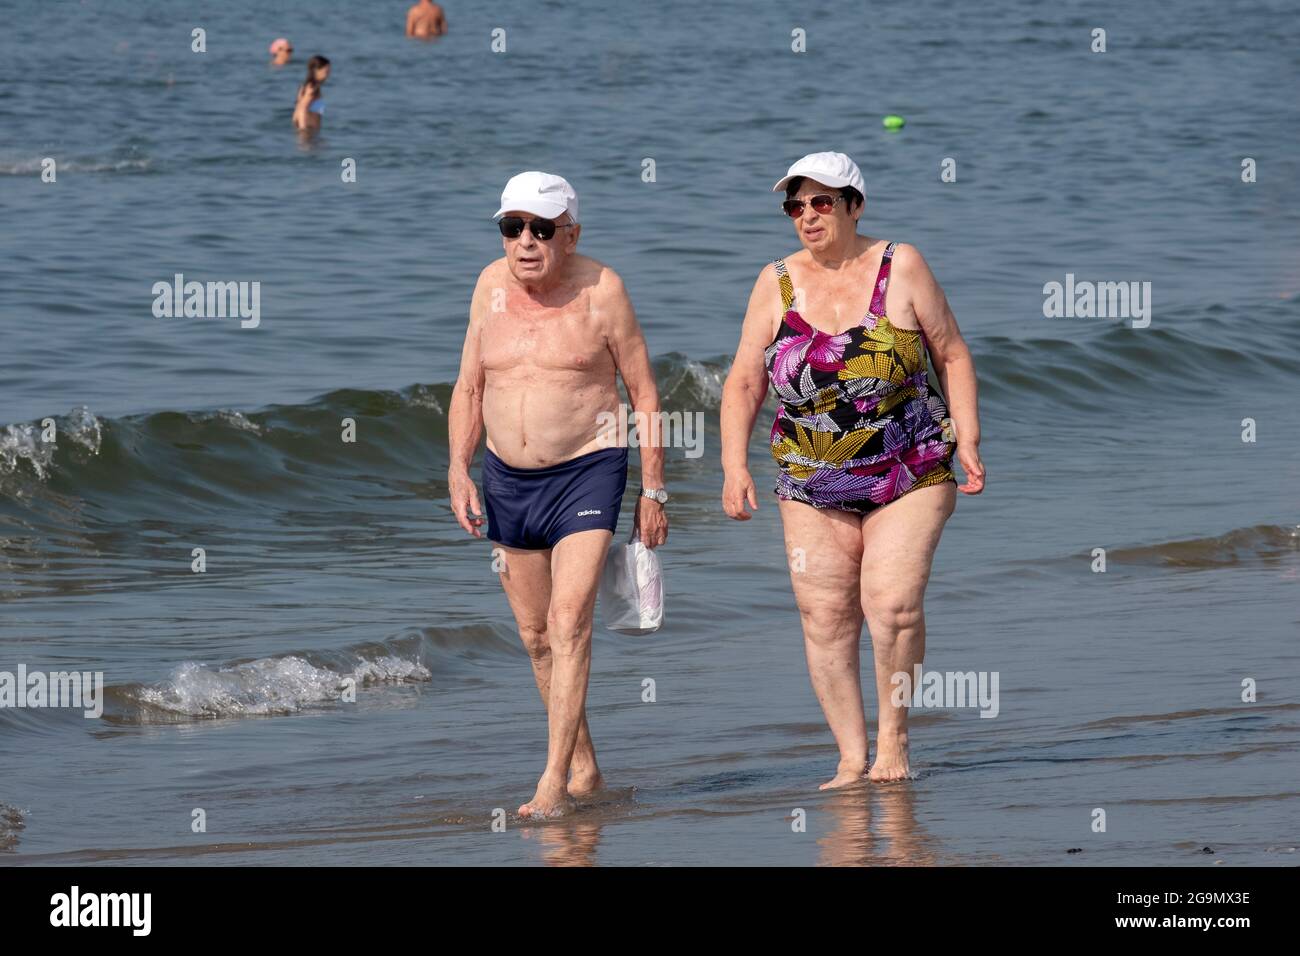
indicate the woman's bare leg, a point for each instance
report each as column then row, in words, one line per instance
column 898, row 545
column 824, row 549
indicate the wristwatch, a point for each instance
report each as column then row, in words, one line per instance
column 655, row 494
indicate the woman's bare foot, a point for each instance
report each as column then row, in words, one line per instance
column 847, row 773
column 585, row 782
column 891, row 757
column 550, row 800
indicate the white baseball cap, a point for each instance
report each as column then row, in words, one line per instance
column 542, row 194
column 833, row 169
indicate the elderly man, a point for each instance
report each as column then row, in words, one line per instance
column 549, row 331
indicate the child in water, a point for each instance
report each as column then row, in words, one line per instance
column 309, row 108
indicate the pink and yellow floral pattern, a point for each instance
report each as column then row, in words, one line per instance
column 858, row 425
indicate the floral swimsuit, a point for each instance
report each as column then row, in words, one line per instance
column 858, row 425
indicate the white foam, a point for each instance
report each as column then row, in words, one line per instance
column 19, row 443
column 278, row 685
column 83, row 428
column 705, row 380
column 228, row 417
column 422, row 397
column 34, row 166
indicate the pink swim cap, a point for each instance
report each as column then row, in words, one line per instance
column 279, row 44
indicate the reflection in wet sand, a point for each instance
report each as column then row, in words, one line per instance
column 572, row 840
column 898, row 839
column 568, row 842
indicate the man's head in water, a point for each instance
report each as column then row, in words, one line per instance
column 281, row 52
column 538, row 219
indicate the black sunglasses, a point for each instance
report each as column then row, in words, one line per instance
column 512, row 227
column 822, row 204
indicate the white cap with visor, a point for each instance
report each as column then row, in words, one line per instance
column 831, row 169
column 542, row 194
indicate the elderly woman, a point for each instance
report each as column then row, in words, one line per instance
column 864, row 444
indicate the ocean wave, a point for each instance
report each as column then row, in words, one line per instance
column 1261, row 544
column 25, row 445
column 292, row 683
column 164, row 445
column 33, row 166
column 687, row 384
column 1098, row 365
column 289, row 448
column 268, row 686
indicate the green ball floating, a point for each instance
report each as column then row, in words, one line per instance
column 893, row 121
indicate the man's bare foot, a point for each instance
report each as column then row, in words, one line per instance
column 585, row 782
column 550, row 800
column 891, row 757
column 847, row 774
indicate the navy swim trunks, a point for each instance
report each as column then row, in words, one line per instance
column 532, row 508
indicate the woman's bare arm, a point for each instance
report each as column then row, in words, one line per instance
column 954, row 365
column 953, row 362
column 744, row 392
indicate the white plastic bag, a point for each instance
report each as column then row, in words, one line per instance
column 632, row 589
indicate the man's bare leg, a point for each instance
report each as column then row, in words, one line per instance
column 527, row 583
column 576, row 564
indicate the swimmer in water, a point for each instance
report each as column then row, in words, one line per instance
column 309, row 108
column 281, row 51
column 425, row 20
